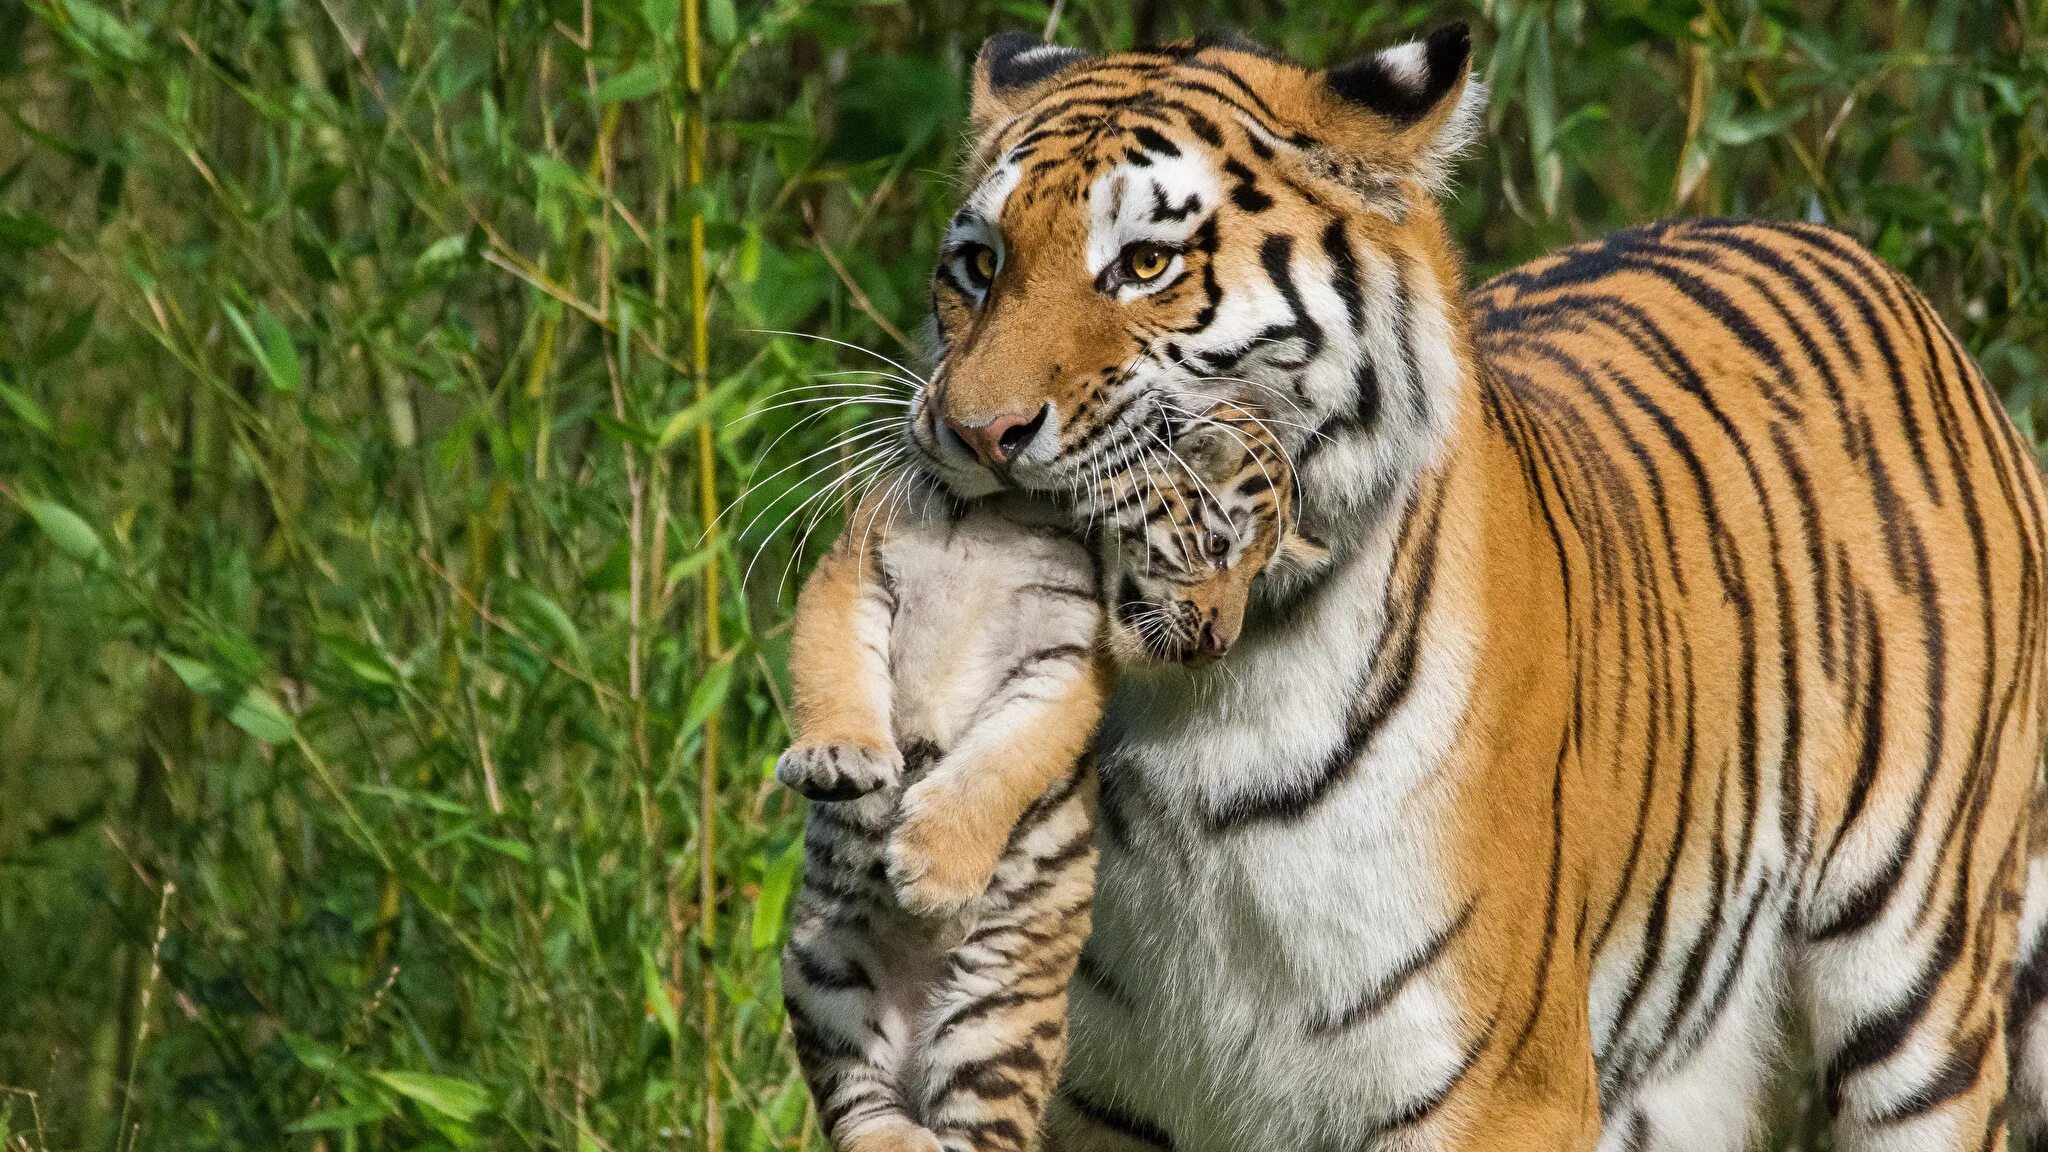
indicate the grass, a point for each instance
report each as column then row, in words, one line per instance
column 397, row 520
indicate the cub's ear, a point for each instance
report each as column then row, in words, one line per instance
column 1214, row 453
column 1414, row 106
column 1299, row 555
column 1009, row 69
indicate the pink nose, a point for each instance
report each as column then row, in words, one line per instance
column 996, row 442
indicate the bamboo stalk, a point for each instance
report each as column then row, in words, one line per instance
column 707, row 496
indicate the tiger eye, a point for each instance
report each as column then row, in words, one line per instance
column 985, row 264
column 1147, row 261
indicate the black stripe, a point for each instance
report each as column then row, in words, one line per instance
column 1117, row 1120
column 1387, row 987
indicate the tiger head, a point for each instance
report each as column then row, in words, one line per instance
column 1152, row 233
column 1187, row 530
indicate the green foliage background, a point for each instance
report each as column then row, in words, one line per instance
column 356, row 675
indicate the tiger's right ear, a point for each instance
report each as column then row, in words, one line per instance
column 1009, row 71
column 1410, row 109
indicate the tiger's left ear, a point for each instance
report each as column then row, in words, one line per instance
column 1009, row 69
column 1413, row 107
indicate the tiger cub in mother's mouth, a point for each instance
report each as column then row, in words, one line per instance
column 949, row 666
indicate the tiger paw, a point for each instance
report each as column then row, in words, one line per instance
column 838, row 771
column 938, row 862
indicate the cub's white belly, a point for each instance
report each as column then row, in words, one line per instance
column 970, row 606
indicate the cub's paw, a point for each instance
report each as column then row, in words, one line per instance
column 939, row 863
column 838, row 771
column 895, row 1136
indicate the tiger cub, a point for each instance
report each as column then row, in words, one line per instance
column 949, row 672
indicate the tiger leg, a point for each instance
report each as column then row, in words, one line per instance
column 1908, row 1012
column 2027, row 1020
column 841, row 745
column 854, row 977
column 1712, row 1100
column 995, row 1036
column 957, row 821
column 1075, row 1123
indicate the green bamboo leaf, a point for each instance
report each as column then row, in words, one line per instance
column 622, row 432
column 513, row 848
column 636, row 83
column 197, row 675
column 1735, row 131
column 773, row 903
column 268, row 344
column 457, row 1100
column 722, row 21
column 25, row 408
column 260, row 715
column 550, row 616
column 365, row 662
column 445, row 250
column 64, row 341
column 662, row 17
column 25, row 230
column 104, row 32
column 685, row 421
column 345, row 1118
column 708, row 696
column 656, row 993
column 280, row 353
column 68, row 531
column 688, row 566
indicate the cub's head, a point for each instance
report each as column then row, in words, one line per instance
column 1151, row 233
column 1188, row 529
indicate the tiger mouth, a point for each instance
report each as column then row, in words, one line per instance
column 1161, row 629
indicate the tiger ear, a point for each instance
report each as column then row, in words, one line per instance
column 1415, row 106
column 1212, row 452
column 1009, row 69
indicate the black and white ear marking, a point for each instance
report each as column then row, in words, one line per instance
column 1017, row 60
column 1404, row 83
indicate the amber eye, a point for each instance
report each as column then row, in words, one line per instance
column 1146, row 261
column 1217, row 545
column 980, row 262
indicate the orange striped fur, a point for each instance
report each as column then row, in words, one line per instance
column 1677, row 663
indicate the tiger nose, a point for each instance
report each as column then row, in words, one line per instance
column 997, row 441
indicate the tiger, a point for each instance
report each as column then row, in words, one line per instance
column 1673, row 687
column 949, row 664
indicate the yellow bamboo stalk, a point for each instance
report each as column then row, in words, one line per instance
column 707, row 495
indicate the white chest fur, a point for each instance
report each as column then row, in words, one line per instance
column 1229, row 952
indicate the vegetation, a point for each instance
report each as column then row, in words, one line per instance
column 400, row 497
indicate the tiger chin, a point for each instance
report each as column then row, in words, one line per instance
column 949, row 667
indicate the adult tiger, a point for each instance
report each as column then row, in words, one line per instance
column 1682, row 649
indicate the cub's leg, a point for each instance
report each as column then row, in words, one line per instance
column 955, row 822
column 995, row 1037
column 855, row 977
column 839, row 668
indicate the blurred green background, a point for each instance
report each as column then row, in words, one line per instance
column 383, row 738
